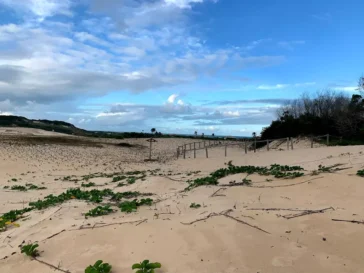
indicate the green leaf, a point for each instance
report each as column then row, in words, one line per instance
column 157, row 265
column 98, row 263
column 140, row 271
column 145, row 263
column 135, row 266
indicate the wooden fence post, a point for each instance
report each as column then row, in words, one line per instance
column 194, row 149
column 255, row 145
column 268, row 145
column 184, row 151
column 225, row 150
column 311, row 142
column 199, row 145
column 327, row 139
column 287, row 143
column 177, row 152
column 291, row 143
column 246, row 146
column 207, row 153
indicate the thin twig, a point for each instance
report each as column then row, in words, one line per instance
column 226, row 214
column 106, row 225
column 281, row 186
column 52, row 266
column 245, row 223
column 348, row 221
column 307, row 212
column 215, row 193
column 54, row 235
column 141, row 222
column 275, row 209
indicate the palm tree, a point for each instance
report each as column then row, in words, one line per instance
column 153, row 130
column 203, row 135
column 195, row 133
column 213, row 134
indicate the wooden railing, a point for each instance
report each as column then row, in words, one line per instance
column 248, row 144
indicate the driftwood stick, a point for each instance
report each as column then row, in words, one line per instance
column 282, row 186
column 275, row 209
column 54, row 235
column 202, row 219
column 215, row 193
column 101, row 225
column 307, row 212
column 348, row 221
column 226, row 214
column 52, row 266
column 141, row 222
column 245, row 223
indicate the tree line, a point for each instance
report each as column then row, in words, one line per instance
column 326, row 112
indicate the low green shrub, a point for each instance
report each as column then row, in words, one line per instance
column 99, row 267
column 30, row 250
column 146, row 267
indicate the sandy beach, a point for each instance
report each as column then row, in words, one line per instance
column 273, row 225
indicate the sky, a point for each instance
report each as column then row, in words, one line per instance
column 180, row 66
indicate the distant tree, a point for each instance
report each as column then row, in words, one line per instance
column 361, row 84
column 195, row 133
column 203, row 135
column 213, row 135
column 254, row 134
column 153, row 130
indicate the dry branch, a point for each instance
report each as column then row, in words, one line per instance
column 215, row 193
column 245, row 223
column 54, row 235
column 101, row 225
column 281, row 186
column 275, row 209
column 307, row 212
column 226, row 214
column 348, row 221
column 52, row 266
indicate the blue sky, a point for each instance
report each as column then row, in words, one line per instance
column 212, row 66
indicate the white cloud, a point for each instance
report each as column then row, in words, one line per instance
column 270, row 87
column 290, row 45
column 282, row 86
column 182, row 3
column 304, row 84
column 6, row 113
column 40, row 8
column 346, row 88
column 172, row 98
column 231, row 114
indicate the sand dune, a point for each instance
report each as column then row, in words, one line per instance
column 220, row 243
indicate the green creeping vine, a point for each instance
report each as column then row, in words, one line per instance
column 10, row 217
column 146, row 267
column 98, row 267
column 132, row 206
column 27, row 187
column 99, row 211
column 278, row 171
column 360, row 173
column 195, row 206
column 30, row 250
column 95, row 196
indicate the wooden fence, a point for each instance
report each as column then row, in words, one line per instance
column 248, row 144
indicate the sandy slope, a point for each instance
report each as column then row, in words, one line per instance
column 311, row 243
